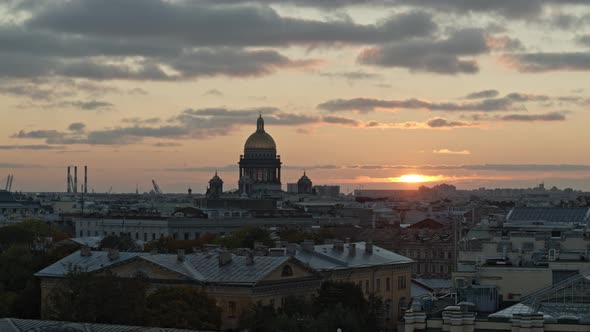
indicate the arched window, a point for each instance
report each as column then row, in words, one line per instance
column 287, row 271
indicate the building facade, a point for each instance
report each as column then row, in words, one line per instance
column 260, row 166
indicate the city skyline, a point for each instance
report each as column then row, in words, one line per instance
column 376, row 95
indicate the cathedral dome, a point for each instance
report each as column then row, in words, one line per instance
column 260, row 139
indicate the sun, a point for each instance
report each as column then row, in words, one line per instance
column 416, row 178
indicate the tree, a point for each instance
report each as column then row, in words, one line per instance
column 85, row 297
column 246, row 237
column 122, row 243
column 182, row 307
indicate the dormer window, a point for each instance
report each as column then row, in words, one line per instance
column 287, row 271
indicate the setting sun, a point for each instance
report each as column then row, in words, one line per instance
column 416, row 178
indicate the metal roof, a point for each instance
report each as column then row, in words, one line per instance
column 202, row 267
column 30, row 325
column 553, row 215
column 326, row 257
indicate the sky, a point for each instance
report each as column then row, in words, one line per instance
column 475, row 93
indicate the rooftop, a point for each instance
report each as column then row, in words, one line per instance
column 326, row 257
column 30, row 325
column 552, row 215
column 202, row 267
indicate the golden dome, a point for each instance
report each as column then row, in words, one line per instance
column 260, row 139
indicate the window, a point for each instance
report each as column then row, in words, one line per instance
column 186, row 236
column 378, row 285
column 287, row 271
column 231, row 306
column 81, row 233
column 388, row 310
column 136, row 235
column 401, row 282
column 388, row 284
column 153, row 236
column 367, row 286
column 360, row 284
column 145, row 237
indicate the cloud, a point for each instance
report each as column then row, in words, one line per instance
column 544, row 62
column 364, row 105
column 447, row 151
column 353, row 75
column 583, row 40
column 483, row 94
column 197, row 24
column 551, row 116
column 444, row 56
column 213, row 92
column 77, row 126
column 444, row 123
column 30, row 147
column 166, row 144
column 340, row 120
column 188, row 124
column 485, row 167
column 14, row 165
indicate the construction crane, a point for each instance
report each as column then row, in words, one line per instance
column 9, row 179
column 157, row 189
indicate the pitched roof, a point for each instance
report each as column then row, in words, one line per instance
column 326, row 257
column 202, row 267
column 30, row 325
column 553, row 215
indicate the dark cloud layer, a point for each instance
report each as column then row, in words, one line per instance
column 188, row 124
column 505, row 103
column 551, row 116
column 543, row 62
column 483, row 94
column 446, row 56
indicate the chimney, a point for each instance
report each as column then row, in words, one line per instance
column 308, row 245
column 180, row 255
column 86, row 179
column 75, row 179
column 224, row 258
column 85, row 251
column 369, row 247
column 249, row 258
column 291, row 249
column 113, row 254
column 68, row 180
column 154, row 252
column 351, row 249
column 338, row 245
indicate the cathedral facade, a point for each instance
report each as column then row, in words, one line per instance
column 260, row 166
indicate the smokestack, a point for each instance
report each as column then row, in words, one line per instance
column 69, row 180
column 75, row 179
column 86, row 179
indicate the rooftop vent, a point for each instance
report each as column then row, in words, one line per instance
column 308, row 245
column 249, row 258
column 85, row 251
column 180, row 255
column 291, row 249
column 338, row 245
column 352, row 249
column 224, row 258
column 369, row 247
column 113, row 254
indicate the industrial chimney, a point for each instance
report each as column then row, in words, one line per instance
column 75, row 179
column 69, row 180
column 86, row 179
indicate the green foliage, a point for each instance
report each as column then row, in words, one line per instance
column 182, row 307
column 91, row 298
column 246, row 237
column 84, row 297
column 20, row 292
column 337, row 305
column 170, row 245
column 296, row 236
column 123, row 243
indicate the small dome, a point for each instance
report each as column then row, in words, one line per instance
column 304, row 179
column 216, row 179
column 260, row 139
